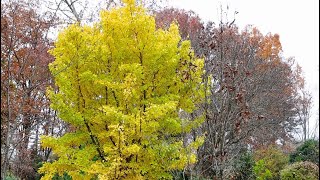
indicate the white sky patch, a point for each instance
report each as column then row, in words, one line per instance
column 296, row 21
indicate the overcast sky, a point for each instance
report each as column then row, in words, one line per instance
column 296, row 21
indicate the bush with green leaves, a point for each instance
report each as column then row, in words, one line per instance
column 300, row 170
column 269, row 159
column 308, row 151
column 11, row 176
column 261, row 171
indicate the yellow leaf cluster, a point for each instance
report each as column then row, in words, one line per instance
column 122, row 84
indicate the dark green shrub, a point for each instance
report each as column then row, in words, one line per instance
column 243, row 167
column 308, row 151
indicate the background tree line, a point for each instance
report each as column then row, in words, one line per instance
column 253, row 96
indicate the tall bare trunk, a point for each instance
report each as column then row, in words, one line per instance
column 7, row 145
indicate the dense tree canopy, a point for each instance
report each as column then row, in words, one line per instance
column 121, row 85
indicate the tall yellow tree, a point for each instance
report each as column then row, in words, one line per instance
column 122, row 84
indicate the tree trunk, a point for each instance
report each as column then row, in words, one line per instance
column 7, row 145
